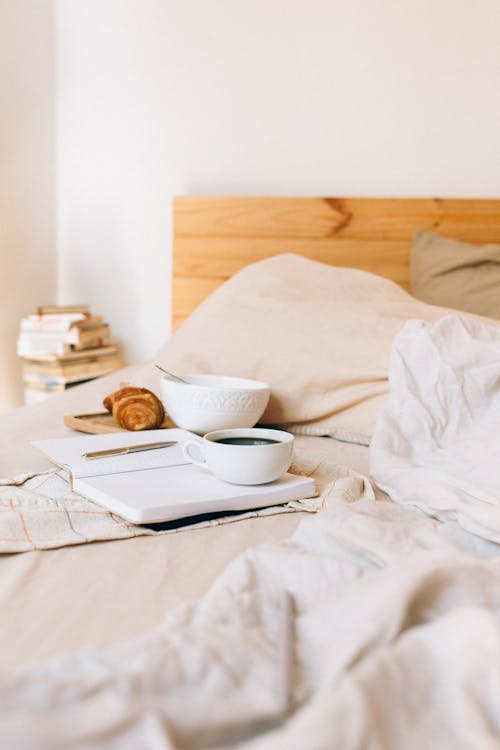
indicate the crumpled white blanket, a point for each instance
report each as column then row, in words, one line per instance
column 396, row 644
column 437, row 440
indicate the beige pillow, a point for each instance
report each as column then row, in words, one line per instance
column 319, row 335
column 454, row 274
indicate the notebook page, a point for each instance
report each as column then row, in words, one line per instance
column 67, row 452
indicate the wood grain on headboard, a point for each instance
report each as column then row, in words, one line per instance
column 214, row 237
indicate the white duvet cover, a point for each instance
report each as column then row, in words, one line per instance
column 437, row 441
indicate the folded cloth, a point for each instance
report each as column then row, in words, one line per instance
column 437, row 441
column 41, row 511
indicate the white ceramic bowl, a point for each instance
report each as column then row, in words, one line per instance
column 214, row 402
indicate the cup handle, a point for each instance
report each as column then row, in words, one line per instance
column 198, row 446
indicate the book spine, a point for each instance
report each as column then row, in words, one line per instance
column 49, row 323
column 27, row 346
column 60, row 343
column 74, row 356
column 56, row 382
column 84, row 339
column 49, row 386
column 62, row 309
column 98, row 366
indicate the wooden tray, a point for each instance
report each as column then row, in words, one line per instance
column 100, row 423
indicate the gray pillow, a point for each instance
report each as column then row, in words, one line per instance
column 450, row 273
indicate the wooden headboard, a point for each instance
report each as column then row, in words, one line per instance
column 216, row 236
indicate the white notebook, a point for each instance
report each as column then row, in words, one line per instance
column 160, row 485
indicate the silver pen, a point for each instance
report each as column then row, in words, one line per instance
column 129, row 449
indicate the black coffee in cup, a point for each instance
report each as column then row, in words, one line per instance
column 246, row 441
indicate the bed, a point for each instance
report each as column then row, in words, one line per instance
column 91, row 596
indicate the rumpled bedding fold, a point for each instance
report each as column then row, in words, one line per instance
column 396, row 643
column 437, row 441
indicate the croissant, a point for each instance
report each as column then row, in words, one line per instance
column 135, row 408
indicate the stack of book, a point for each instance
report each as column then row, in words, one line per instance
column 62, row 346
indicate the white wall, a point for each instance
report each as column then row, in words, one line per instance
column 328, row 97
column 27, row 174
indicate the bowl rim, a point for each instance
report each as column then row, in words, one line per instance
column 247, row 384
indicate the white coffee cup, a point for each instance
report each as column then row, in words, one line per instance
column 243, row 455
